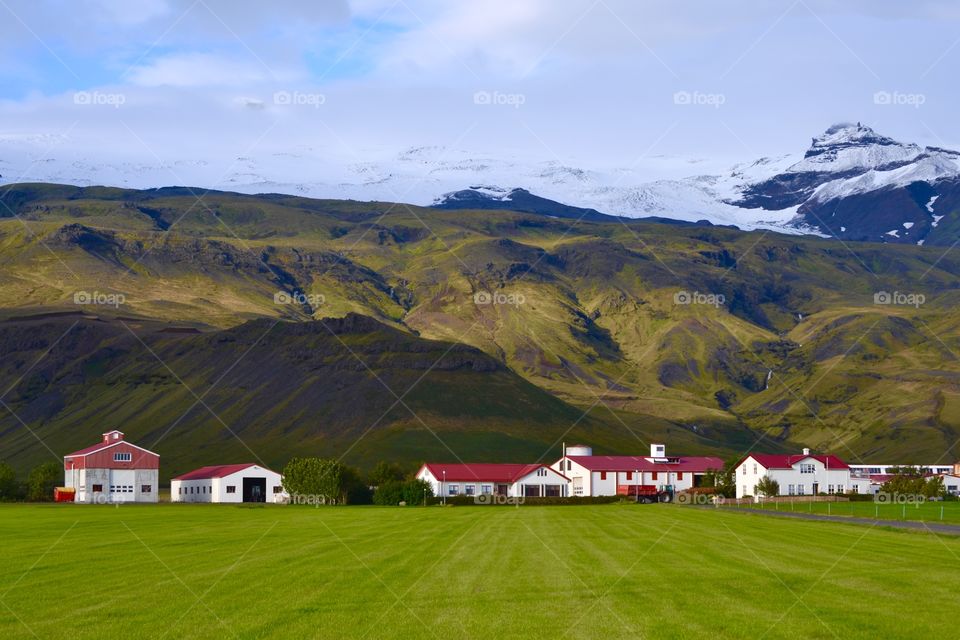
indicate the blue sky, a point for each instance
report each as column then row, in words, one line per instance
column 593, row 81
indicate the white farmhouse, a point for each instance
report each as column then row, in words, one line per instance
column 797, row 475
column 229, row 483
column 592, row 475
column 489, row 479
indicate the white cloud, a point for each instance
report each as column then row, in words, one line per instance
column 200, row 70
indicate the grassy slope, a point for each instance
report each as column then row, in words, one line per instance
column 582, row 572
column 266, row 391
column 598, row 322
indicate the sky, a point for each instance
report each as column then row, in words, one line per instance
column 598, row 83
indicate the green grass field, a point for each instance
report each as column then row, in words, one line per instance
column 933, row 512
column 611, row 571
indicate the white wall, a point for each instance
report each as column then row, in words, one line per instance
column 83, row 480
column 215, row 489
column 749, row 473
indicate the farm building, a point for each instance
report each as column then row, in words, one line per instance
column 797, row 475
column 113, row 470
column 592, row 475
column 510, row 480
column 228, row 483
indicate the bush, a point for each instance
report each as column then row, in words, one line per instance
column 9, row 488
column 42, row 480
column 393, row 492
column 323, row 481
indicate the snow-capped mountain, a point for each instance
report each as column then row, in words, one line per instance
column 855, row 184
column 851, row 183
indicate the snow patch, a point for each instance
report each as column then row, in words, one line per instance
column 931, row 203
column 894, row 232
column 907, row 225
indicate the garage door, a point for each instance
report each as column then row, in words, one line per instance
column 121, row 485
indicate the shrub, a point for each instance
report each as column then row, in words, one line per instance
column 42, row 480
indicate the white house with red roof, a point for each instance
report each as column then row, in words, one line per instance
column 494, row 479
column 230, row 483
column 592, row 475
column 113, row 470
column 798, row 475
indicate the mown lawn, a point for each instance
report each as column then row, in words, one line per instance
column 933, row 512
column 610, row 571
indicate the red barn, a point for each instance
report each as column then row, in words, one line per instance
column 113, row 470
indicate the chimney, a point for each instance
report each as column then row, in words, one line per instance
column 658, row 451
column 806, row 451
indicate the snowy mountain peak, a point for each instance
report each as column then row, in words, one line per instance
column 846, row 134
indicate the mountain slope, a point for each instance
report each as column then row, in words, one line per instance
column 269, row 390
column 702, row 331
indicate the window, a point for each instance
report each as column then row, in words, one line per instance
column 232, row 488
column 744, row 467
column 603, row 475
column 453, row 490
column 180, row 490
column 97, row 488
column 791, row 490
column 531, row 490
column 122, row 457
column 486, row 489
column 952, row 488
column 799, row 489
column 754, row 468
column 469, row 489
column 542, row 472
column 745, row 490
column 145, row 488
column 569, row 465
column 808, row 468
column 856, row 488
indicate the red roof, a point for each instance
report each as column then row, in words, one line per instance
column 693, row 464
column 215, row 471
column 482, row 472
column 770, row 461
column 105, row 445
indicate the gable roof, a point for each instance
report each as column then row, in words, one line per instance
column 693, row 464
column 483, row 471
column 771, row 461
column 215, row 471
column 100, row 446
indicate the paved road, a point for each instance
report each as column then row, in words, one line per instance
column 953, row 529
